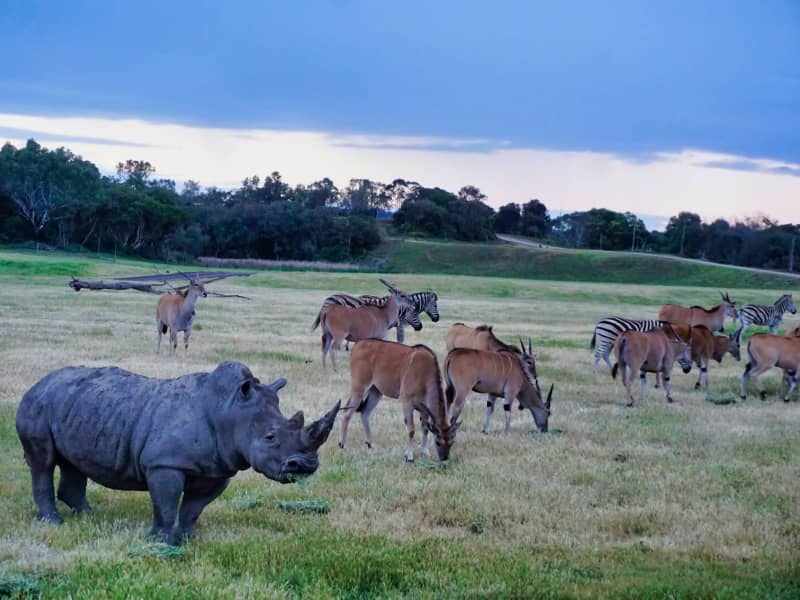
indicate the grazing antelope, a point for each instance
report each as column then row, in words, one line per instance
column 770, row 316
column 714, row 318
column 483, row 338
column 766, row 350
column 706, row 346
column 607, row 330
column 650, row 352
column 500, row 374
column 340, row 323
column 176, row 313
column 422, row 302
column 409, row 373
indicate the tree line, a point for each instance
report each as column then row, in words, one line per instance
column 55, row 197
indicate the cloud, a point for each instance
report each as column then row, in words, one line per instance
column 659, row 183
column 753, row 166
column 12, row 132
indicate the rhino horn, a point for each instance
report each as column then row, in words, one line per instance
column 297, row 420
column 278, row 384
column 315, row 434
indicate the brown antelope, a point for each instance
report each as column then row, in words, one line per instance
column 714, row 318
column 483, row 338
column 706, row 346
column 650, row 352
column 766, row 350
column 411, row 374
column 340, row 323
column 176, row 313
column 503, row 374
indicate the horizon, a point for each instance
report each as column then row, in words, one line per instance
column 590, row 106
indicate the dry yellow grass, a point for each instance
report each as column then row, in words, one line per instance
column 688, row 479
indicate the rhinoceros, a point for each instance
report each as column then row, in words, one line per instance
column 187, row 436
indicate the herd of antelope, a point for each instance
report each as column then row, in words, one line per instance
column 477, row 361
column 687, row 335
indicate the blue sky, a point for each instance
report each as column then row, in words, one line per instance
column 633, row 80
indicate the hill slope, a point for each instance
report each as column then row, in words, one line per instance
column 558, row 264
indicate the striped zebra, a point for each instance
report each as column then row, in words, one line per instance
column 759, row 314
column 423, row 302
column 607, row 330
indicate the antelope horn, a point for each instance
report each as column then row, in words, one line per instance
column 522, row 345
column 530, row 349
column 549, row 396
column 185, row 275
column 391, row 286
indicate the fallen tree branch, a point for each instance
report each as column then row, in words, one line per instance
column 79, row 284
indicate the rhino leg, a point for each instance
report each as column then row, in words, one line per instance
column 40, row 454
column 165, row 487
column 195, row 499
column 44, row 494
column 72, row 488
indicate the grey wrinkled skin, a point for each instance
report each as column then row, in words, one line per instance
column 172, row 437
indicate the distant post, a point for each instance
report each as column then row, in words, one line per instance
column 633, row 242
column 791, row 255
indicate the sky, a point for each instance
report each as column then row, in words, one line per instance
column 652, row 107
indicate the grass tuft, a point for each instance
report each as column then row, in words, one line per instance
column 156, row 550
column 319, row 505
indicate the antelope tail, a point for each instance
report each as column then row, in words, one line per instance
column 163, row 328
column 620, row 356
column 594, row 339
column 316, row 322
column 449, row 390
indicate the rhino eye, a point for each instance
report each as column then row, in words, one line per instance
column 270, row 436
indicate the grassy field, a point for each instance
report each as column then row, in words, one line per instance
column 559, row 264
column 683, row 500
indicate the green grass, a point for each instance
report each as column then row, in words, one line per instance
column 683, row 500
column 557, row 264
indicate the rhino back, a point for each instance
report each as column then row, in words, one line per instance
column 109, row 423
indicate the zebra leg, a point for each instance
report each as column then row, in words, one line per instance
column 608, row 361
column 489, row 410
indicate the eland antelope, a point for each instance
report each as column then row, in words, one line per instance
column 705, row 347
column 340, row 323
column 501, row 373
column 175, row 312
column 422, row 302
column 713, row 318
column 607, row 330
column 765, row 351
column 650, row 352
column 409, row 373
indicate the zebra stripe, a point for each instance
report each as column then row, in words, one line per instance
column 770, row 316
column 607, row 330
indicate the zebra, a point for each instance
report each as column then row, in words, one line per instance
column 607, row 330
column 423, row 302
column 759, row 314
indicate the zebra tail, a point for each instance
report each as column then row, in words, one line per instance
column 594, row 339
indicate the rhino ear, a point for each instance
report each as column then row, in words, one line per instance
column 245, row 387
